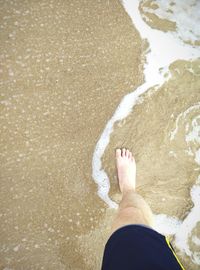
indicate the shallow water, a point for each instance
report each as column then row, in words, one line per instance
column 64, row 70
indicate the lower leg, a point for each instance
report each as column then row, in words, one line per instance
column 132, row 209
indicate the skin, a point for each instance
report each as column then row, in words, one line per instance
column 133, row 209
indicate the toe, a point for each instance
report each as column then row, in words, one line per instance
column 118, row 152
column 132, row 158
column 127, row 153
column 123, row 152
column 130, row 155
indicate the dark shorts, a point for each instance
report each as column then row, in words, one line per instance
column 137, row 247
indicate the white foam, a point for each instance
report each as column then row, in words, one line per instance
column 165, row 48
column 99, row 175
column 196, row 240
column 197, row 156
column 186, row 15
column 189, row 223
column 184, row 231
column 194, row 135
column 166, row 225
column 183, row 115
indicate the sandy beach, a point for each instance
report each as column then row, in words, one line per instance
column 65, row 67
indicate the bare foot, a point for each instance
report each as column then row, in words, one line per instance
column 126, row 169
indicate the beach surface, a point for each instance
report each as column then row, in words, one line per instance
column 65, row 67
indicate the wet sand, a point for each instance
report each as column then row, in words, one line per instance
column 165, row 172
column 64, row 69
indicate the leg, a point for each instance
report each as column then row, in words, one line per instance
column 135, row 247
column 132, row 209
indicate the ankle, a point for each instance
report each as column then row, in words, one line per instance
column 128, row 191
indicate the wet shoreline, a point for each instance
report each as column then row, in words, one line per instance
column 65, row 67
